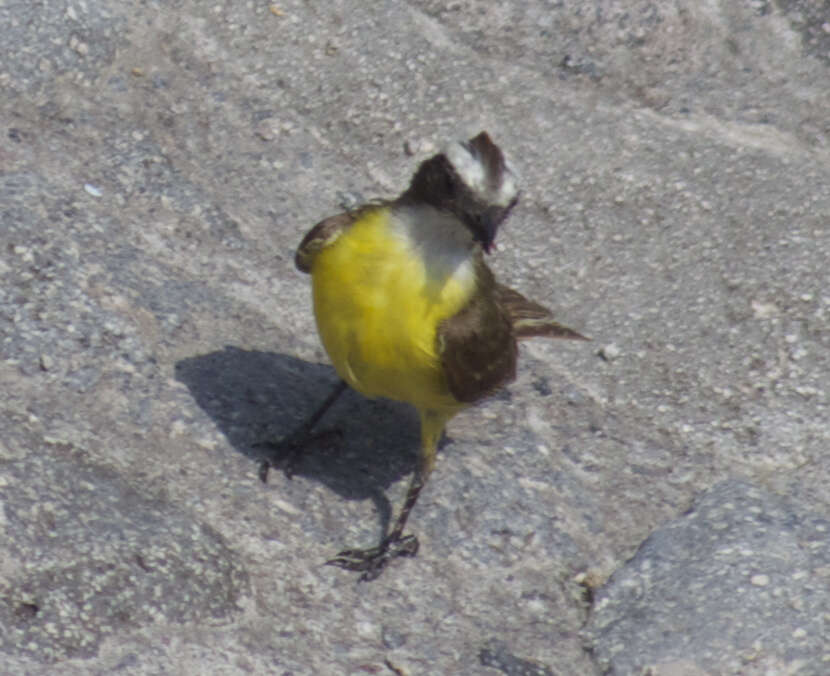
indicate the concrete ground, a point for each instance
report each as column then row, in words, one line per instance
column 655, row 501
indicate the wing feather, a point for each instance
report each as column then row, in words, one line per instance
column 320, row 236
column 477, row 345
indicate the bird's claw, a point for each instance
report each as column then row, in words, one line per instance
column 373, row 560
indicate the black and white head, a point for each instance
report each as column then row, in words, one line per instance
column 473, row 181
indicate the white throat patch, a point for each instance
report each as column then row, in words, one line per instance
column 440, row 239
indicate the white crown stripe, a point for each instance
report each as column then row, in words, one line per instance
column 474, row 175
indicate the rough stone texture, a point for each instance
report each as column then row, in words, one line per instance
column 159, row 163
column 736, row 586
column 90, row 557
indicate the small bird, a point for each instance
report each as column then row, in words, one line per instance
column 407, row 308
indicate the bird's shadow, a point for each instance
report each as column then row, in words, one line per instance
column 255, row 396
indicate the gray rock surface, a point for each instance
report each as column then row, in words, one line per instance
column 159, row 163
column 736, row 586
column 90, row 558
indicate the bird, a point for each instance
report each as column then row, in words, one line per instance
column 407, row 309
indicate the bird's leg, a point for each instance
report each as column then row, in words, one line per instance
column 285, row 452
column 373, row 560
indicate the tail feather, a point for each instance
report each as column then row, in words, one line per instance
column 530, row 319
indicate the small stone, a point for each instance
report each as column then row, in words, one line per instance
column 46, row 362
column 609, row 352
column 759, row 580
column 421, row 147
column 268, row 129
column 764, row 310
column 78, row 46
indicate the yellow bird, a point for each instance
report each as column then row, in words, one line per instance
column 407, row 308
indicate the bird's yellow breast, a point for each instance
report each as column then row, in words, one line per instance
column 378, row 303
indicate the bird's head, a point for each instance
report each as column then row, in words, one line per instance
column 473, row 181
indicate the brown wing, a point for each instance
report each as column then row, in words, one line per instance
column 477, row 346
column 531, row 319
column 319, row 237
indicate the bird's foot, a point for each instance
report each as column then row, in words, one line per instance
column 373, row 560
column 285, row 453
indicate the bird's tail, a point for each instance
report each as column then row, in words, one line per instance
column 531, row 319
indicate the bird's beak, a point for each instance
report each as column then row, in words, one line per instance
column 486, row 227
column 487, row 224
